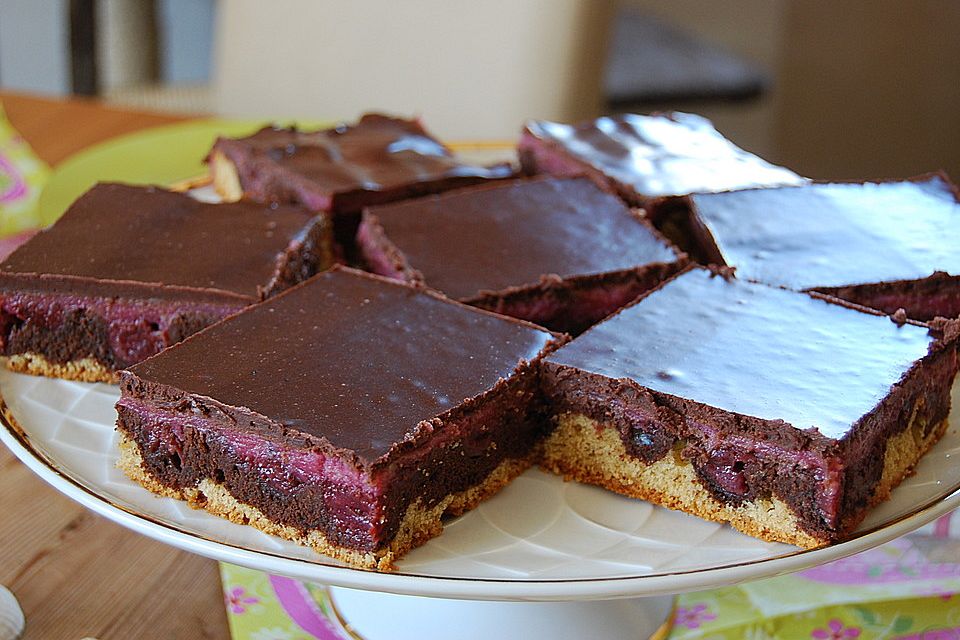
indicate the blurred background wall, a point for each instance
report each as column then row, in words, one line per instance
column 471, row 69
column 871, row 87
column 860, row 88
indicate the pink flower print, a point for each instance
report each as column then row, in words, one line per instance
column 237, row 600
column 13, row 186
column 835, row 631
column 938, row 592
column 693, row 617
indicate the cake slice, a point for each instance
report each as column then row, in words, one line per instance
column 349, row 413
column 642, row 157
column 558, row 252
column 343, row 169
column 127, row 271
column 886, row 245
column 786, row 414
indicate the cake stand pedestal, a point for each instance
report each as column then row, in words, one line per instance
column 383, row 616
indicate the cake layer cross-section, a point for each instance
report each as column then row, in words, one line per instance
column 342, row 169
column 128, row 271
column 559, row 252
column 786, row 414
column 886, row 245
column 349, row 413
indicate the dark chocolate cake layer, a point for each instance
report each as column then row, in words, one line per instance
column 764, row 393
column 642, row 157
column 128, row 270
column 341, row 170
column 886, row 245
column 559, row 252
column 382, row 398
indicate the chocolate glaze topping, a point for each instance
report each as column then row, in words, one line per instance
column 499, row 236
column 662, row 154
column 355, row 359
column 379, row 153
column 753, row 350
column 149, row 235
column 831, row 235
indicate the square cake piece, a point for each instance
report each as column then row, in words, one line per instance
column 127, row 271
column 885, row 245
column 341, row 170
column 559, row 252
column 642, row 157
column 349, row 413
column 786, row 414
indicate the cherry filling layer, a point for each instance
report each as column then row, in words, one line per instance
column 261, row 181
column 737, row 468
column 270, row 178
column 537, row 156
column 303, row 488
column 734, row 467
column 117, row 332
column 828, row 482
column 570, row 305
column 573, row 306
column 355, row 505
column 375, row 255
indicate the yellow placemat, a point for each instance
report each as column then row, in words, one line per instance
column 161, row 155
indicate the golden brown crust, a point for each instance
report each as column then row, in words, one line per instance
column 582, row 449
column 903, row 452
column 226, row 179
column 418, row 525
column 497, row 480
column 182, row 186
column 85, row 369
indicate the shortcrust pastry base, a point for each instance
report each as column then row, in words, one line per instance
column 584, row 450
column 418, row 525
column 226, row 180
column 87, row 369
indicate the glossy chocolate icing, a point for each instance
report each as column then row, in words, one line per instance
column 651, row 156
column 511, row 234
column 353, row 359
column 135, row 236
column 378, row 155
column 833, row 234
column 753, row 350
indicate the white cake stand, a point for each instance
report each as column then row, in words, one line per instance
column 543, row 559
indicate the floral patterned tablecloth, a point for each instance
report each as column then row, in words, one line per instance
column 22, row 176
column 908, row 589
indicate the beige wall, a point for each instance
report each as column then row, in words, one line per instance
column 472, row 69
column 862, row 88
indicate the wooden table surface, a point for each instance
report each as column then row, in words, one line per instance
column 75, row 573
